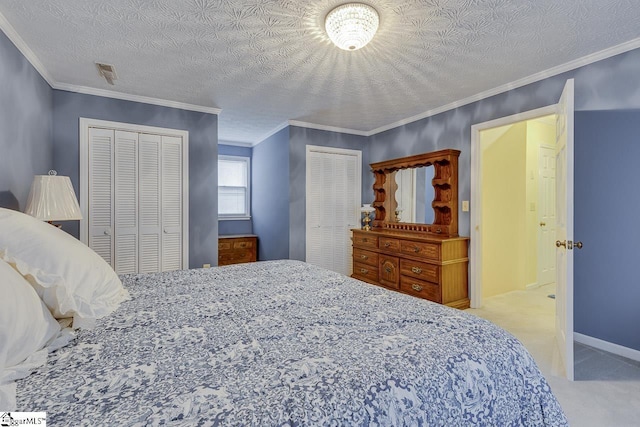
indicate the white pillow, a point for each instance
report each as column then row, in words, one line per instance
column 26, row 325
column 72, row 280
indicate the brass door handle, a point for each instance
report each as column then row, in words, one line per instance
column 416, row 270
column 578, row 245
column 559, row 243
column 416, row 287
column 542, row 224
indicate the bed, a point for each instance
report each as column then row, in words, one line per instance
column 286, row 343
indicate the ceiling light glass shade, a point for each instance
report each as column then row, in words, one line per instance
column 52, row 199
column 352, row 25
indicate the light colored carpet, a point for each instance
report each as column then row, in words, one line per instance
column 607, row 387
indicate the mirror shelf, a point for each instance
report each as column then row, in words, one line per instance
column 445, row 192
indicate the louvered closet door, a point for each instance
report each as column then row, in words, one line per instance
column 126, row 202
column 171, row 173
column 150, row 207
column 334, row 200
column 100, row 151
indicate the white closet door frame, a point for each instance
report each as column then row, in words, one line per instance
column 358, row 184
column 85, row 124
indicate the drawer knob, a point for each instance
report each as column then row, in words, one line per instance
column 416, row 270
column 417, row 288
column 364, row 271
column 387, row 244
column 387, row 269
column 364, row 257
column 416, row 249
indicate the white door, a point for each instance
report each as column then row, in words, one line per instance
column 171, row 173
column 333, row 206
column 100, row 198
column 150, row 208
column 546, row 215
column 564, row 228
column 126, row 202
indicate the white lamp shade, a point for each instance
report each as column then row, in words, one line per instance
column 52, row 199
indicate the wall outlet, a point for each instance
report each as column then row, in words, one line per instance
column 465, row 206
column 206, row 265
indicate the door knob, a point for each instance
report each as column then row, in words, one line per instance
column 559, row 243
column 578, row 245
column 542, row 224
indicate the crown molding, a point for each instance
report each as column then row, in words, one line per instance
column 568, row 66
column 135, row 98
column 235, row 143
column 271, row 133
column 26, row 51
column 328, row 128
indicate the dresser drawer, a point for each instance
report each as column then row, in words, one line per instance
column 235, row 257
column 224, row 246
column 420, row 270
column 243, row 244
column 365, row 241
column 420, row 249
column 391, row 245
column 389, row 271
column 422, row 289
column 365, row 257
column 364, row 270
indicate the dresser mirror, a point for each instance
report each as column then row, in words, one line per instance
column 418, row 193
column 411, row 201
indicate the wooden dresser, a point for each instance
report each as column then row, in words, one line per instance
column 430, row 267
column 425, row 260
column 236, row 249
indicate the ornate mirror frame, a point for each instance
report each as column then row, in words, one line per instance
column 445, row 186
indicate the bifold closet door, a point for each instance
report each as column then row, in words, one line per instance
column 150, row 203
column 126, row 202
column 333, row 201
column 100, row 218
column 135, row 200
column 171, row 173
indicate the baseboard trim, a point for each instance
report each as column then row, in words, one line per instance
column 532, row 285
column 607, row 346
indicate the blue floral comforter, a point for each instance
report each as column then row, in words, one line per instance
column 286, row 343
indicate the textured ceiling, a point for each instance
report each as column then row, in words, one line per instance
column 264, row 62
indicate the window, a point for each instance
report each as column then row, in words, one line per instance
column 233, row 187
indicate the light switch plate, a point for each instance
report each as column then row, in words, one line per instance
column 465, row 206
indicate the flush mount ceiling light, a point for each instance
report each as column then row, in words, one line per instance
column 352, row 25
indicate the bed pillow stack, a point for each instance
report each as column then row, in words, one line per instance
column 71, row 279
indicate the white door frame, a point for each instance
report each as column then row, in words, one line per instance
column 475, row 263
column 85, row 124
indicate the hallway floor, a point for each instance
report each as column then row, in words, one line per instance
column 607, row 387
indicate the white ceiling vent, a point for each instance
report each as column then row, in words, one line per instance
column 108, row 72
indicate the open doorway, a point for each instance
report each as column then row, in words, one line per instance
column 518, row 206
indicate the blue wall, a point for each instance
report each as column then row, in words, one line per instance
column 299, row 139
column 226, row 227
column 203, row 156
column 25, row 124
column 270, row 196
column 610, row 84
column 607, row 202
